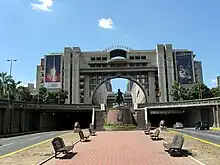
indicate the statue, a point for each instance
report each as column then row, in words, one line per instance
column 119, row 97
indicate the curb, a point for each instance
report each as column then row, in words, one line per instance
column 196, row 160
column 26, row 148
column 192, row 137
column 215, row 129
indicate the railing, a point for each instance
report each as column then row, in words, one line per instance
column 186, row 103
column 26, row 105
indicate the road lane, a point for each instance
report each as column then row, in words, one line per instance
column 8, row 145
column 211, row 136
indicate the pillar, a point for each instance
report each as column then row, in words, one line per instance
column 146, row 115
column 217, row 116
column 152, row 94
column 6, row 122
column 93, row 116
column 161, row 73
column 214, row 116
column 23, row 120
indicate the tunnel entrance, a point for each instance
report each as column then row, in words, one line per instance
column 65, row 120
column 170, row 117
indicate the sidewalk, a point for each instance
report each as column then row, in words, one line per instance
column 122, row 148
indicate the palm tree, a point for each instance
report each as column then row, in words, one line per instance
column 5, row 79
column 12, row 88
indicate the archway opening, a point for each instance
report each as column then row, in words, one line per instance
column 105, row 92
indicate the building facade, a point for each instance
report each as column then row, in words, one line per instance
column 82, row 73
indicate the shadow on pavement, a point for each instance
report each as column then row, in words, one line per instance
column 182, row 153
column 68, row 155
column 158, row 139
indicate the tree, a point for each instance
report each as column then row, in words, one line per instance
column 62, row 96
column 215, row 92
column 24, row 94
column 5, row 79
column 200, row 90
column 178, row 92
column 12, row 89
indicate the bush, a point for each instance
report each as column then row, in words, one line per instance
column 119, row 127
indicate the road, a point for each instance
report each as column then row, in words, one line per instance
column 11, row 144
column 208, row 135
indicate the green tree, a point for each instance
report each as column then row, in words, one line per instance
column 24, row 94
column 5, row 79
column 62, row 95
column 12, row 89
column 178, row 92
column 200, row 90
column 215, row 92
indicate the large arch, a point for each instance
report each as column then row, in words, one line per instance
column 119, row 76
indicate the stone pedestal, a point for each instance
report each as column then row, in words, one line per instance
column 120, row 115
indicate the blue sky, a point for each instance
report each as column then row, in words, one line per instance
column 28, row 30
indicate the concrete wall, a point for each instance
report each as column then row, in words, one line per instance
column 137, row 94
column 101, row 94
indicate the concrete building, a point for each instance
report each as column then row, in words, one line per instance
column 198, row 71
column 82, row 73
column 218, row 81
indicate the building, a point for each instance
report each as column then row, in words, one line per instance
column 218, row 81
column 198, row 71
column 83, row 73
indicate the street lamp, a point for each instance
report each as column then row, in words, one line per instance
column 9, row 102
column 11, row 63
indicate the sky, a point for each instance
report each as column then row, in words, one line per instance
column 31, row 28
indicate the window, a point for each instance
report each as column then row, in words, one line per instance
column 143, row 57
column 144, row 64
column 92, row 65
column 131, row 57
column 104, row 65
column 98, row 58
column 137, row 57
column 104, row 58
column 98, row 65
column 92, row 58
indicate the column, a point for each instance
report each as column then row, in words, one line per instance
column 67, row 71
column 93, row 116
column 6, row 116
column 75, row 75
column 23, row 120
column 152, row 94
column 146, row 115
column 217, row 116
column 161, row 73
column 170, row 69
column 214, row 117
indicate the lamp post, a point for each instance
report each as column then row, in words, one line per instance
column 9, row 100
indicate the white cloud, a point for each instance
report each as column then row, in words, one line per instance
column 214, row 82
column 106, row 23
column 45, row 5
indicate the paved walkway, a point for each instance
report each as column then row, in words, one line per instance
column 122, row 148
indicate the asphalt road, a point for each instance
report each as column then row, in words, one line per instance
column 11, row 144
column 208, row 135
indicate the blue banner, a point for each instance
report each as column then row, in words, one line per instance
column 184, row 68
